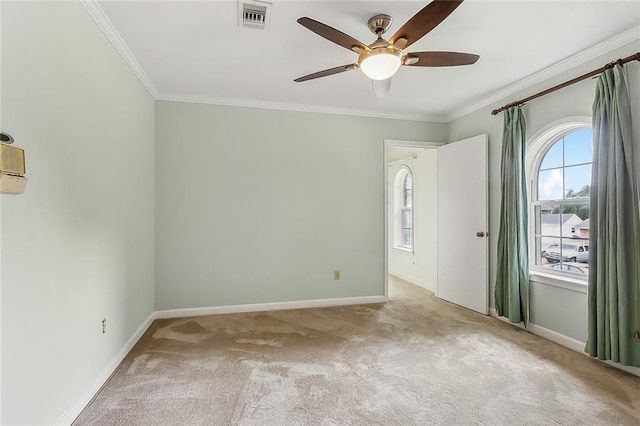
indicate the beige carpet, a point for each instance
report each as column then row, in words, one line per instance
column 414, row 360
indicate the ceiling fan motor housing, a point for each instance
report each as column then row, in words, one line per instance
column 379, row 24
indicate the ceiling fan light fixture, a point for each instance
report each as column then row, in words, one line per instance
column 381, row 87
column 381, row 63
column 380, row 60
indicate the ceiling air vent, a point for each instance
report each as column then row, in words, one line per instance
column 253, row 14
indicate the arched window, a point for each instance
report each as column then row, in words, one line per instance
column 560, row 174
column 405, row 209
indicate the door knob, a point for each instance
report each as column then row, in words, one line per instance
column 479, row 234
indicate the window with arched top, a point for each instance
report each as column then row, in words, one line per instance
column 404, row 209
column 560, row 175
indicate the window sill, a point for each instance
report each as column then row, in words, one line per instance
column 403, row 250
column 569, row 283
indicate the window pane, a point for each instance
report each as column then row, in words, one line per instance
column 407, row 199
column 547, row 221
column 575, row 249
column 406, row 219
column 407, row 193
column 577, row 181
column 550, row 251
column 550, row 184
column 581, row 211
column 571, row 252
column 578, row 147
column 406, row 237
column 568, row 220
column 577, row 218
column 408, row 181
column 553, row 158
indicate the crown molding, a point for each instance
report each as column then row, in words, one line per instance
column 95, row 11
column 104, row 23
column 558, row 68
column 320, row 109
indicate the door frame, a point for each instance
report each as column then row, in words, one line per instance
column 400, row 144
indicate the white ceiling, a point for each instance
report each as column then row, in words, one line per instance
column 195, row 50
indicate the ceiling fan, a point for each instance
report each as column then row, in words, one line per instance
column 381, row 59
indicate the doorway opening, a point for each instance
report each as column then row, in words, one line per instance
column 436, row 218
column 411, row 213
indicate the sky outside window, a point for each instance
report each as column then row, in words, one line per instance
column 575, row 149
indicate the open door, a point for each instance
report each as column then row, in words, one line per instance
column 463, row 276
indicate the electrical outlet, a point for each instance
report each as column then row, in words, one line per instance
column 104, row 325
column 336, row 275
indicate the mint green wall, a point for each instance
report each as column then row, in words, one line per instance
column 557, row 309
column 78, row 245
column 237, row 205
column 259, row 206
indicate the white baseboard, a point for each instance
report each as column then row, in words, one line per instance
column 563, row 340
column 558, row 338
column 275, row 306
column 97, row 384
column 412, row 281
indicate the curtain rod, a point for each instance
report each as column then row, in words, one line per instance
column 634, row 57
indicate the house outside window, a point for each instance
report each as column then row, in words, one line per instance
column 560, row 177
column 404, row 209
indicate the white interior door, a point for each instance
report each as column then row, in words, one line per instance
column 463, row 224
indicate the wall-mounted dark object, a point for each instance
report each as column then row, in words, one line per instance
column 6, row 138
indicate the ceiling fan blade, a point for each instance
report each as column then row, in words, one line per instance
column 328, row 72
column 439, row 59
column 331, row 34
column 423, row 22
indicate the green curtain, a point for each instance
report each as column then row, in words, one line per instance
column 614, row 227
column 512, row 276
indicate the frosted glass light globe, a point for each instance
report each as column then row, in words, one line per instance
column 380, row 66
